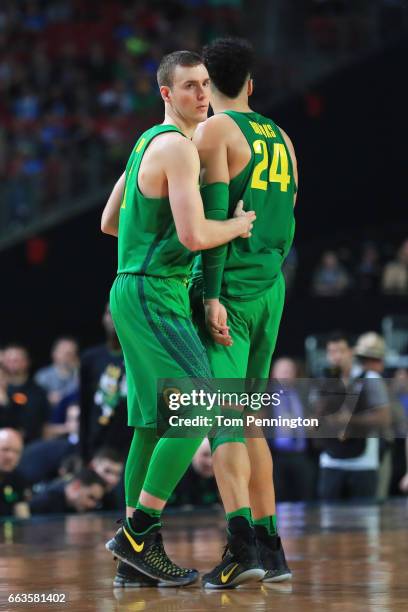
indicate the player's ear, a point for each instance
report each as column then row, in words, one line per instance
column 165, row 93
column 250, row 86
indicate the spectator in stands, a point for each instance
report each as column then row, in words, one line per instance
column 103, row 417
column 403, row 485
column 349, row 465
column 330, row 278
column 8, row 410
column 42, row 459
column 198, row 486
column 83, row 492
column 52, row 86
column 368, row 269
column 108, row 464
column 30, row 400
column 289, row 269
column 370, row 353
column 61, row 377
column 13, row 488
column 294, row 470
column 395, row 275
column 400, row 389
column 70, row 466
column 392, row 448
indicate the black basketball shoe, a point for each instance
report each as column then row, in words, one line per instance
column 128, row 576
column 146, row 554
column 272, row 556
column 240, row 561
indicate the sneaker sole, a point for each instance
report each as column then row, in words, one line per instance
column 252, row 575
column 132, row 584
column 280, row 578
column 110, row 546
column 121, row 583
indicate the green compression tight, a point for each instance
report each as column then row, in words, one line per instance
column 169, row 462
column 141, row 449
column 156, row 465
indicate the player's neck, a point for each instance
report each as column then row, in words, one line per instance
column 172, row 118
column 221, row 103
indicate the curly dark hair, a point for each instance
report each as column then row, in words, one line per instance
column 229, row 62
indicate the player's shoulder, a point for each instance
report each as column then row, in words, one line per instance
column 215, row 128
column 219, row 121
column 286, row 138
column 169, row 144
column 176, row 156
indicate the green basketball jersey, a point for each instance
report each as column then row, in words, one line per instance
column 267, row 186
column 147, row 240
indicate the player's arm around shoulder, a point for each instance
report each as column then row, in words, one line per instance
column 291, row 149
column 181, row 165
column 211, row 140
column 110, row 214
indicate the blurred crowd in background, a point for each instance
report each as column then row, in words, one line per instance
column 78, row 80
column 64, row 434
column 371, row 270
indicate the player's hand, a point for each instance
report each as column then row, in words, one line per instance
column 247, row 217
column 216, row 321
column 403, row 484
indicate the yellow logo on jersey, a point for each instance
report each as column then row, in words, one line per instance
column 136, row 547
column 225, row 577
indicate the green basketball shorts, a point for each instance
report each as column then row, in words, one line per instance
column 254, row 327
column 152, row 318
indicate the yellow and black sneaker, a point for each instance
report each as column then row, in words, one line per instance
column 272, row 556
column 240, row 563
column 146, row 554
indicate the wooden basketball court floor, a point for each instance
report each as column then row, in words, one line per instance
column 344, row 558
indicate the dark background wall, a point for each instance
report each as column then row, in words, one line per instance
column 350, row 135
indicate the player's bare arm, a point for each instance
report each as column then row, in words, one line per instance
column 213, row 139
column 210, row 139
column 182, row 168
column 110, row 215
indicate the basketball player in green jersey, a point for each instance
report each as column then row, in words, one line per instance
column 244, row 156
column 160, row 223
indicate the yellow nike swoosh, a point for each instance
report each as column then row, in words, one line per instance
column 225, row 577
column 136, row 547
